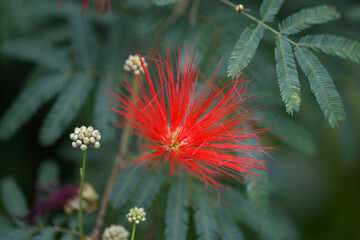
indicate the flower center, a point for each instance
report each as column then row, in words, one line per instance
column 175, row 144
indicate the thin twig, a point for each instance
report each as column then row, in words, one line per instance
column 257, row 20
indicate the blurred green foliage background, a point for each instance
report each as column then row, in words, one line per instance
column 316, row 183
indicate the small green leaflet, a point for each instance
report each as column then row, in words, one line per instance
column 306, row 18
column 13, row 199
column 205, row 222
column 41, row 53
column 29, row 101
column 177, row 216
column 269, row 8
column 228, row 228
column 288, row 77
column 125, row 185
column 322, row 86
column 333, row 45
column 65, row 108
column 245, row 49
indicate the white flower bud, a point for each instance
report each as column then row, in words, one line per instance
column 83, row 147
column 77, row 130
column 83, row 129
column 137, row 72
column 72, row 135
column 90, row 128
column 98, row 137
column 129, row 219
column 97, row 145
column 88, row 133
column 78, row 142
column 86, row 140
column 73, row 144
column 137, row 222
column 92, row 140
column 81, row 136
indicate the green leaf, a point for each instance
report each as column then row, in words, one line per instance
column 5, row 225
column 36, row 52
column 245, row 49
column 228, row 227
column 48, row 175
column 322, row 86
column 125, row 185
column 258, row 193
column 19, row 234
column 83, row 40
column 67, row 236
column 177, row 216
column 269, row 8
column 164, row 2
column 288, row 77
column 333, row 45
column 65, row 108
column 288, row 131
column 103, row 115
column 205, row 222
column 147, row 189
column 45, row 234
column 29, row 101
column 264, row 225
column 13, row 199
column 308, row 17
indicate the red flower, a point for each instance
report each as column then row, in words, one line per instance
column 191, row 122
column 100, row 5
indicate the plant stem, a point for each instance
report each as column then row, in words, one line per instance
column 257, row 20
column 133, row 232
column 82, row 175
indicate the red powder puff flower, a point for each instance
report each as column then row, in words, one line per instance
column 100, row 5
column 190, row 121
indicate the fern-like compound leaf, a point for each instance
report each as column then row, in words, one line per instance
column 65, row 108
column 308, row 17
column 322, row 86
column 41, row 53
column 148, row 188
column 269, row 9
column 103, row 116
column 333, row 45
column 229, row 230
column 125, row 185
column 206, row 224
column 177, row 216
column 83, row 41
column 13, row 199
column 245, row 49
column 288, row 77
column 25, row 106
column 164, row 2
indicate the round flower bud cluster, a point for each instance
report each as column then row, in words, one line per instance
column 133, row 63
column 136, row 215
column 115, row 232
column 84, row 137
